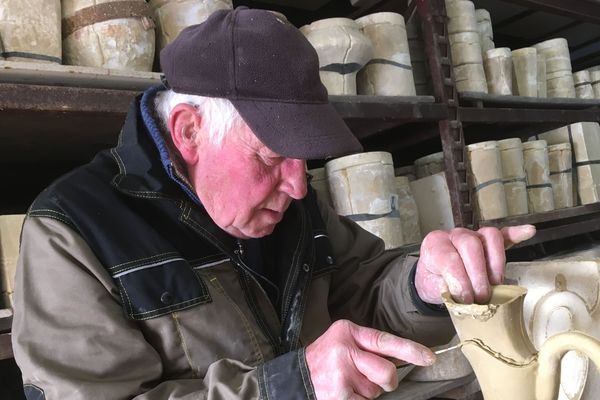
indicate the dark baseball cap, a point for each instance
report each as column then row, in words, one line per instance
column 269, row 72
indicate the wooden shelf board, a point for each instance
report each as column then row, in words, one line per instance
column 583, row 10
column 528, row 102
column 556, row 224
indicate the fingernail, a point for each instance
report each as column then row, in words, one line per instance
column 428, row 357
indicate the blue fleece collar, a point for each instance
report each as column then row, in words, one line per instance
column 147, row 111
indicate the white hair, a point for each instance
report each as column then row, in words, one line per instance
column 220, row 115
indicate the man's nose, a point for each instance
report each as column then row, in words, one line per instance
column 293, row 178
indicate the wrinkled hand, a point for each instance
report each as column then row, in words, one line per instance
column 349, row 361
column 465, row 262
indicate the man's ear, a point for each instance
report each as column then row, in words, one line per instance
column 184, row 125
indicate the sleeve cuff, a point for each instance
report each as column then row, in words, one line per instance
column 286, row 378
column 435, row 310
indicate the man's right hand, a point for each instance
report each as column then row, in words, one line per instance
column 351, row 362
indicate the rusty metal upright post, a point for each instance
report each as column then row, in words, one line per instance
column 432, row 14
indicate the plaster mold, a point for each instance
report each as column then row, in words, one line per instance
column 498, row 71
column 10, row 233
column 389, row 73
column 172, row 16
column 486, row 32
column 583, row 85
column 559, row 76
column 429, row 165
column 119, row 42
column 563, row 295
column 486, row 177
column 362, row 188
column 595, row 81
column 525, row 72
column 30, row 30
column 561, row 176
column 470, row 78
column 539, row 186
column 342, row 49
column 513, row 176
column 433, row 201
column 506, row 362
column 462, row 18
column 409, row 213
column 585, row 146
column 320, row 184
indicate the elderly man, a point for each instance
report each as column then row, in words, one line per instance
column 194, row 261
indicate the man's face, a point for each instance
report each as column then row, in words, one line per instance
column 244, row 186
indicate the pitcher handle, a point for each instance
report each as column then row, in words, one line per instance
column 552, row 351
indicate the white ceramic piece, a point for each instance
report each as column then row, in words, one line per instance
column 525, row 72
column 389, row 73
column 513, row 176
column 362, row 188
column 486, row 177
column 561, row 176
column 562, row 295
column 539, row 187
column 172, row 16
column 433, row 201
column 429, row 165
column 30, row 30
column 498, row 71
column 122, row 43
column 342, row 49
column 10, row 234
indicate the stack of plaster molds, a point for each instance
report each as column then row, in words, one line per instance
column 342, row 49
column 559, row 73
column 513, row 176
column 173, row 16
column 465, row 47
column 486, row 32
column 10, row 232
column 363, row 189
column 595, row 80
column 418, row 58
column 108, row 34
column 499, row 71
column 563, row 295
column 30, row 30
column 583, row 85
column 561, row 175
column 537, row 169
column 389, row 72
column 525, row 72
column 584, row 138
column 433, row 202
column 486, row 180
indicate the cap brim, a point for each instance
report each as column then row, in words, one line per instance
column 308, row 131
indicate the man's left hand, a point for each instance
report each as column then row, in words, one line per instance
column 465, row 262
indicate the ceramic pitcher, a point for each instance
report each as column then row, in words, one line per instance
column 495, row 342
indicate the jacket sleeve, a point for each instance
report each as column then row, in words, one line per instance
column 374, row 287
column 72, row 341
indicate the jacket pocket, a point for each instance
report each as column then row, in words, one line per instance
column 158, row 288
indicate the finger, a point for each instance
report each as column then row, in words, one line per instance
column 387, row 345
column 364, row 387
column 493, row 247
column 429, row 286
column 377, row 370
column 355, row 396
column 469, row 246
column 517, row 234
column 441, row 257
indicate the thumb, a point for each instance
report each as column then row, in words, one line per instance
column 517, row 234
